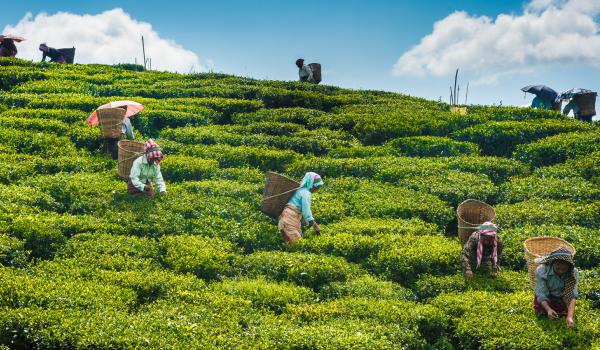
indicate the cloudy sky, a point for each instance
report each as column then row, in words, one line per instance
column 410, row 47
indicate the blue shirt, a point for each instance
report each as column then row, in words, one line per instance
column 301, row 200
column 549, row 283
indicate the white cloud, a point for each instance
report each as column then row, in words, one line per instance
column 109, row 37
column 546, row 32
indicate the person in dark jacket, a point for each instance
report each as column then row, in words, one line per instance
column 54, row 54
column 8, row 48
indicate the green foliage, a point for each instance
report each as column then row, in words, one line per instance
column 207, row 258
column 366, row 286
column 374, row 226
column 181, row 168
column 285, row 115
column 501, row 138
column 15, row 75
column 549, row 211
column 558, row 148
column 514, row 113
column 12, row 251
column 310, row 270
column 432, row 146
column 573, row 188
column 407, row 257
column 264, row 293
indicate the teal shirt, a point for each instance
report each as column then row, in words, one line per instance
column 548, row 283
column 301, row 200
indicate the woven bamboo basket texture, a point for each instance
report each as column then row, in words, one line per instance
column 128, row 152
column 538, row 247
column 111, row 122
column 587, row 104
column 470, row 214
column 278, row 191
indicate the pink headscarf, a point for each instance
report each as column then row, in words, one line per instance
column 153, row 151
column 487, row 229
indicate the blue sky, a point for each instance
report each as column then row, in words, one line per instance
column 357, row 42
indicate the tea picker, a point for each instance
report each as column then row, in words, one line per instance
column 545, row 97
column 291, row 203
column 483, row 250
column 113, row 118
column 7, row 45
column 582, row 102
column 144, row 170
column 309, row 73
column 66, row 55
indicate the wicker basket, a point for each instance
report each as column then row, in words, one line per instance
column 470, row 214
column 538, row 247
column 128, row 152
column 587, row 104
column 111, row 122
column 278, row 191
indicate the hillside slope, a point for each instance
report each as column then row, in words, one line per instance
column 83, row 265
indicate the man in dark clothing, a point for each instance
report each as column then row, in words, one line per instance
column 54, row 54
column 8, row 48
column 483, row 250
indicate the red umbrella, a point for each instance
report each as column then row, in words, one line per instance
column 132, row 109
column 13, row 37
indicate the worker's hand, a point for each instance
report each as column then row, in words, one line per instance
column 494, row 274
column 469, row 275
column 570, row 322
column 316, row 227
column 552, row 314
column 163, row 193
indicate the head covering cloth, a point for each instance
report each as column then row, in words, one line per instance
column 563, row 254
column 153, row 151
column 311, row 180
column 487, row 229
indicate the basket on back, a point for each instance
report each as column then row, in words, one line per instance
column 128, row 152
column 538, row 247
column 316, row 71
column 111, row 122
column 587, row 104
column 470, row 214
column 278, row 191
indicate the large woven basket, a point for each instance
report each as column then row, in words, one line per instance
column 111, row 122
column 587, row 104
column 538, row 247
column 128, row 152
column 470, row 214
column 278, row 191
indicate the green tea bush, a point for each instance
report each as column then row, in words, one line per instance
column 33, row 125
column 407, row 257
column 375, row 226
column 64, row 115
column 41, row 241
column 347, row 197
column 15, row 75
column 362, row 152
column 432, row 146
column 558, row 148
column 514, row 113
column 263, row 158
column 353, row 248
column 38, row 143
column 589, row 287
column 498, row 169
column 573, row 188
column 182, row 168
column 585, row 240
column 501, row 138
column 284, row 115
column 150, row 122
column 207, row 258
column 366, row 286
column 549, row 211
column 304, row 269
column 264, row 293
column 12, row 251
column 588, row 167
column 429, row 286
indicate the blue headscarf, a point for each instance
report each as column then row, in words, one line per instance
column 311, row 180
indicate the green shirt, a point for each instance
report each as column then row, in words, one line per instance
column 142, row 171
column 549, row 283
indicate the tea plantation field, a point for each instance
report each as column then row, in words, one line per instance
column 84, row 266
